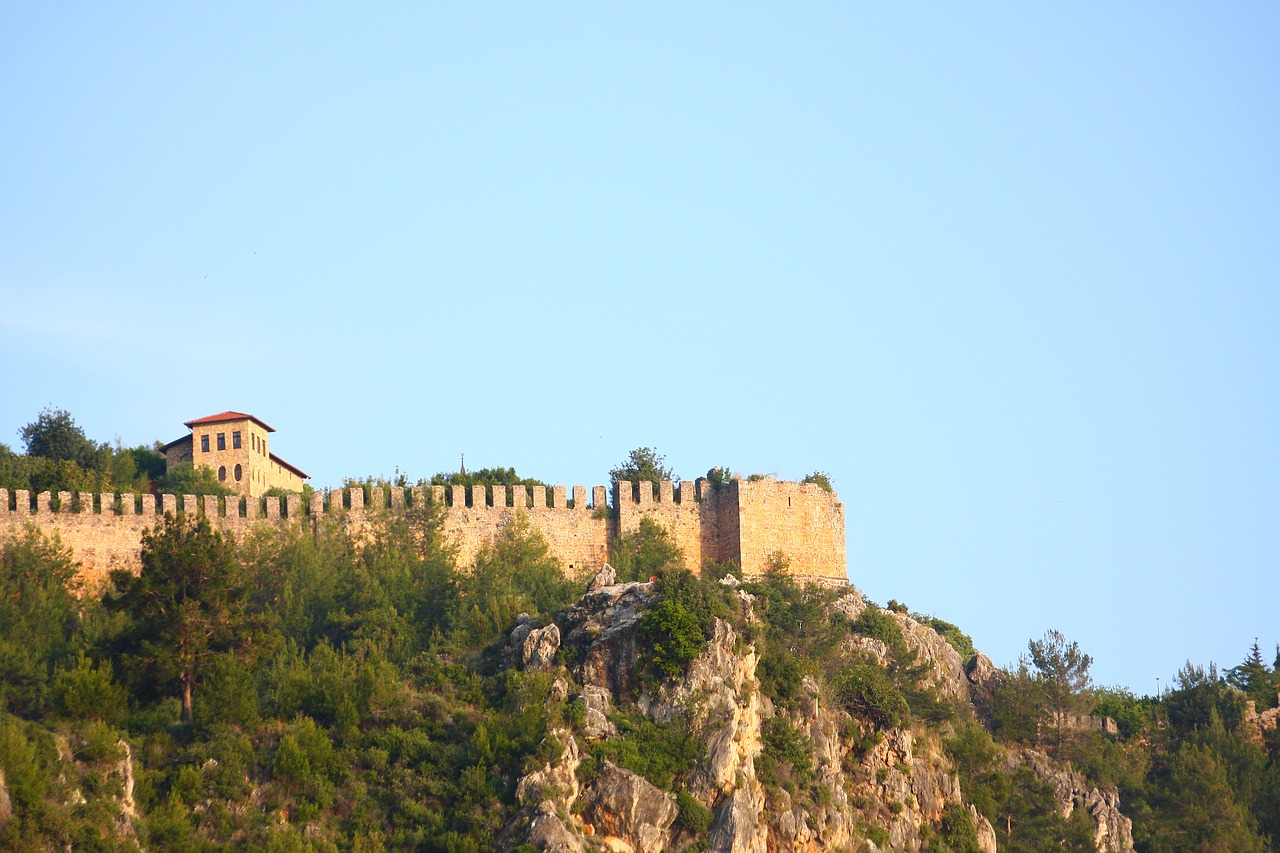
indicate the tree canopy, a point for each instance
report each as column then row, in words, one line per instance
column 1064, row 673
column 55, row 435
column 188, row 606
column 643, row 463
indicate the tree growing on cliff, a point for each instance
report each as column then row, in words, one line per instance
column 187, row 607
column 1255, row 679
column 1063, row 671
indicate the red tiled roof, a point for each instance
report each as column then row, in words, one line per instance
column 276, row 459
column 223, row 417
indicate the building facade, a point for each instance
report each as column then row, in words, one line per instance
column 236, row 447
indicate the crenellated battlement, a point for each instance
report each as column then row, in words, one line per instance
column 746, row 522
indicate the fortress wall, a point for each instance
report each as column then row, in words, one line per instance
column 802, row 521
column 741, row 521
column 728, row 522
column 104, row 531
column 690, row 513
column 575, row 532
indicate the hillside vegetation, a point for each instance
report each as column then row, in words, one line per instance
column 299, row 692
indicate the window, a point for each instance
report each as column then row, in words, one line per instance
column 237, row 471
column 222, row 472
column 222, row 441
column 235, row 441
column 204, row 444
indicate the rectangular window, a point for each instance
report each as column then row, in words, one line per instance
column 222, row 441
column 235, row 439
column 204, row 444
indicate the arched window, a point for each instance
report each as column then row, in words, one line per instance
column 237, row 473
column 222, row 472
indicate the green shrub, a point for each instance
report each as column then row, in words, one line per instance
column 878, row 624
column 87, row 691
column 98, row 742
column 867, row 690
column 820, row 479
column 957, row 830
column 648, row 551
column 786, row 744
column 693, row 816
column 663, row 754
column 957, row 639
column 671, row 637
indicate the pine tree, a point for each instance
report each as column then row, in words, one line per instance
column 1254, row 678
column 188, row 606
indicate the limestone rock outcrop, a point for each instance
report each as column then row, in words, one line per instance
column 865, row 788
column 6, row 802
column 625, row 806
column 548, row 831
column 1113, row 832
column 538, row 651
column 603, row 625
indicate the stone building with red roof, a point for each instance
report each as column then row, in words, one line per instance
column 235, row 446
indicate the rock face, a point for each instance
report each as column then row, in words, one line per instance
column 603, row 624
column 984, row 680
column 866, row 789
column 539, row 648
column 1256, row 724
column 622, row 805
column 1113, row 832
column 946, row 671
column 6, row 803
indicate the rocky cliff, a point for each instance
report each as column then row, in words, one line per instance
column 768, row 777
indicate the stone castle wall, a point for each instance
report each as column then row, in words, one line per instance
column 746, row 522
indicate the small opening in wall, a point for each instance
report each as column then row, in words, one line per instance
column 204, row 444
column 238, row 473
column 222, row 472
column 235, row 440
column 788, row 502
column 222, row 441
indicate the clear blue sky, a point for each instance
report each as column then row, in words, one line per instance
column 1010, row 273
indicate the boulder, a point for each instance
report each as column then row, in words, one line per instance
column 548, row 832
column 538, row 651
column 625, row 806
column 607, row 576
column 595, row 721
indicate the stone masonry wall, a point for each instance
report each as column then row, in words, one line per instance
column 744, row 522
column 801, row 521
column 690, row 513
